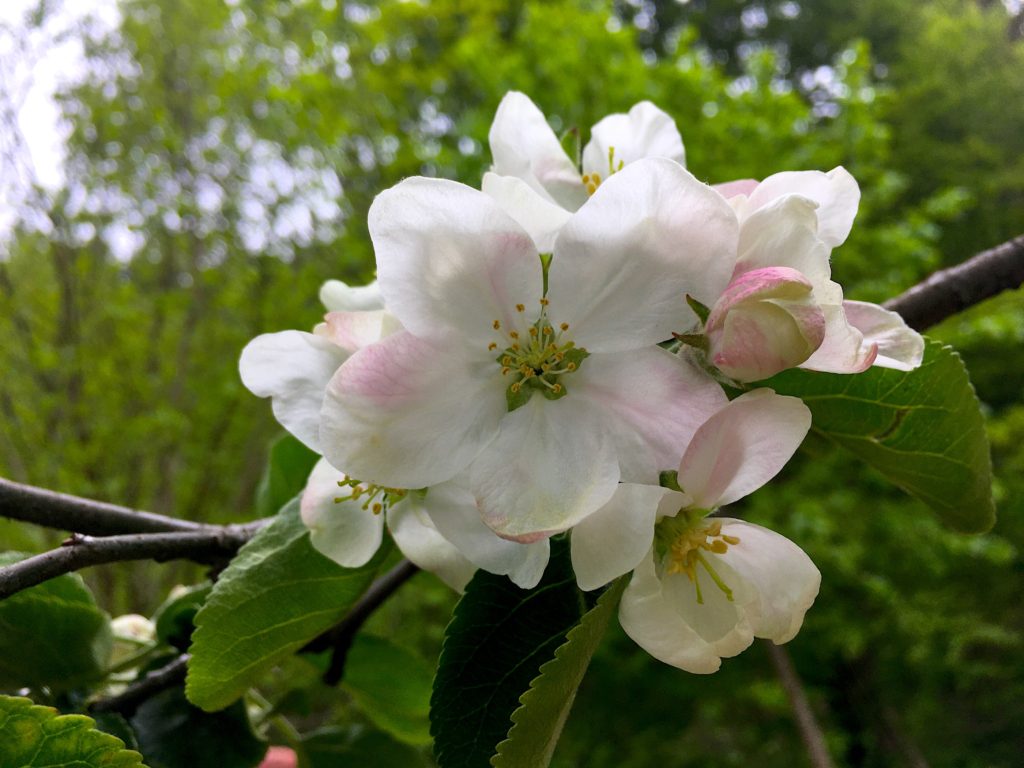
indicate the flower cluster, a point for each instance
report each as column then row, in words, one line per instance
column 546, row 354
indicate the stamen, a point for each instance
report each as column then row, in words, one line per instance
column 520, row 308
column 564, row 326
column 492, row 346
column 544, row 302
column 496, row 325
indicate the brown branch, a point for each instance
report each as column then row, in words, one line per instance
column 953, row 290
column 810, row 731
column 339, row 637
column 137, row 692
column 212, row 546
column 74, row 513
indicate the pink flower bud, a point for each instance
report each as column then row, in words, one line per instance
column 766, row 321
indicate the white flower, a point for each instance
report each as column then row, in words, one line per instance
column 899, row 346
column 703, row 588
column 792, row 220
column 545, row 399
column 539, row 185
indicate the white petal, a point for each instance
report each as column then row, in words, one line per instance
column 624, row 263
column 783, row 233
column 523, row 145
column 742, row 447
column 836, row 193
column 648, row 617
column 344, row 531
column 337, row 296
column 651, row 401
column 405, row 413
column 354, row 330
column 450, row 261
column 420, row 542
column 899, row 346
column 613, row 540
column 552, row 464
column 844, row 349
column 292, row 368
column 453, row 511
column 539, row 216
column 783, row 581
column 720, row 622
column 737, row 188
column 645, row 131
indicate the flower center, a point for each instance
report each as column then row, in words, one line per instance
column 682, row 542
column 377, row 498
column 537, row 359
column 593, row 180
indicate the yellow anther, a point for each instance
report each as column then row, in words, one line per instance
column 520, row 308
column 377, row 508
column 719, row 547
column 591, row 188
column 533, row 332
column 586, row 178
column 514, row 335
column 515, row 387
column 730, row 540
column 564, row 326
column 506, row 360
column 496, row 325
column 514, row 347
column 557, row 388
column 570, row 366
column 548, row 330
column 492, row 346
column 544, row 302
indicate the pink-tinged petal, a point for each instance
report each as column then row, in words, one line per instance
column 614, row 539
column 452, row 509
column 424, row 546
column 783, row 233
column 405, row 413
column 653, row 622
column 552, row 464
column 844, row 349
column 742, row 447
column 354, row 330
column 730, row 189
column 836, row 193
column 539, row 216
column 623, row 138
column 651, row 401
column 765, row 322
column 623, row 265
column 450, row 261
column 719, row 621
column 781, row 581
column 899, row 346
column 338, row 296
column 343, row 531
column 523, row 145
column 280, row 757
column 292, row 368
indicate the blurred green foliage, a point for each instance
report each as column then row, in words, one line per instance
column 222, row 158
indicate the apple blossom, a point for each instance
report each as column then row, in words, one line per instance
column 539, row 185
column 544, row 397
column 788, row 310
column 899, row 346
column 704, row 587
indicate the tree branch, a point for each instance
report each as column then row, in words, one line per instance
column 210, row 546
column 810, row 731
column 74, row 513
column 953, row 290
column 157, row 681
column 339, row 637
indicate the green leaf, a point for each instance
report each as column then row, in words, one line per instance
column 392, row 685
column 174, row 619
column 288, row 467
column 275, row 596
column 173, row 733
column 922, row 429
column 545, row 707
column 52, row 635
column 358, row 747
column 32, row 736
column 495, row 645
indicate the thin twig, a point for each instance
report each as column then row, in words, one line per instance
column 211, row 546
column 74, row 513
column 339, row 637
column 157, row 681
column 810, row 731
column 953, row 290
